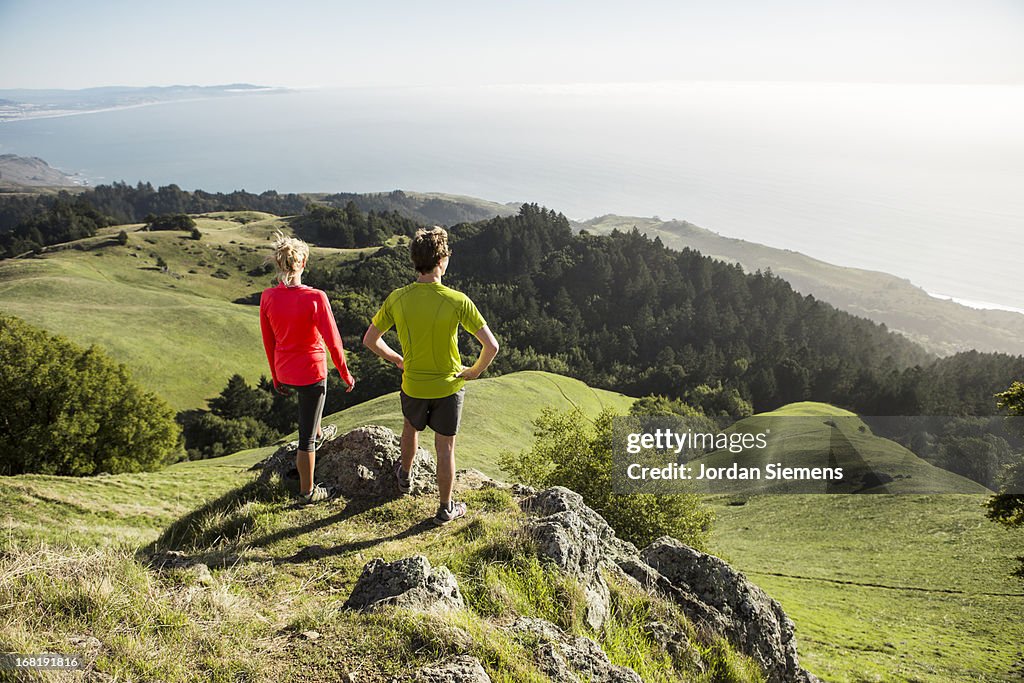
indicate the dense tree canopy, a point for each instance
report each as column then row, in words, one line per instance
column 74, row 411
column 623, row 312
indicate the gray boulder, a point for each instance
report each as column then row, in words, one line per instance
column 565, row 658
column 461, row 669
column 409, row 583
column 714, row 596
column 751, row 620
column 558, row 499
column 578, row 541
column 359, row 464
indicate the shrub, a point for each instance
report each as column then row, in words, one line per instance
column 74, row 411
column 569, row 452
column 172, row 221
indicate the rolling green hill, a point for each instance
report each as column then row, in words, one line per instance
column 942, row 327
column 159, row 323
column 882, row 587
column 812, row 435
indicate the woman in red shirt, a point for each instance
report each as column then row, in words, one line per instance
column 297, row 323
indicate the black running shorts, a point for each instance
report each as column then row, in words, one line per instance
column 443, row 415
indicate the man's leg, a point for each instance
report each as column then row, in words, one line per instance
column 445, row 447
column 305, row 463
column 410, row 442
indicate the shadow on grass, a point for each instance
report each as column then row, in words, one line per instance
column 319, row 552
column 218, row 522
column 224, row 526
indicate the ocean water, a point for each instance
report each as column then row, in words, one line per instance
column 922, row 181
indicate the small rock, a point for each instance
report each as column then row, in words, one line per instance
column 410, row 583
column 565, row 658
column 202, row 574
column 311, row 635
column 461, row 669
column 674, row 642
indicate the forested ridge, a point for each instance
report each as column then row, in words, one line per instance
column 624, row 312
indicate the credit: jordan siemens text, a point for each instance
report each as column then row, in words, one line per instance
column 771, row 471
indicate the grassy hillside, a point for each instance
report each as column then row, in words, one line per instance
column 885, row 587
column 178, row 331
column 810, row 434
column 882, row 587
column 943, row 327
column 70, row 564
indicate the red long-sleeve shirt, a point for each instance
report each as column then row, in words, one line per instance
column 297, row 323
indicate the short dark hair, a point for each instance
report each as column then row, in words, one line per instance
column 428, row 247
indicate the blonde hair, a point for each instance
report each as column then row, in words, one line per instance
column 428, row 247
column 290, row 255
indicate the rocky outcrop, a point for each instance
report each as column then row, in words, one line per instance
column 409, row 583
column 461, row 669
column 578, row 541
column 754, row 622
column 359, row 464
column 713, row 595
column 566, row 658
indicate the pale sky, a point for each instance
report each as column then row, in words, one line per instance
column 75, row 44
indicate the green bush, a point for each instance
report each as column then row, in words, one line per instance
column 171, row 221
column 74, row 411
column 569, row 451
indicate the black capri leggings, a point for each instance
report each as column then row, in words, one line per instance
column 311, row 409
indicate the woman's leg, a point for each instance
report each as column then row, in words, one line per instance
column 311, row 408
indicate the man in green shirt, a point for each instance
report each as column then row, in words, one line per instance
column 427, row 315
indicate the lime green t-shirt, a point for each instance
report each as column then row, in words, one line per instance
column 427, row 316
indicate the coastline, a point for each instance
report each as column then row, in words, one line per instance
column 977, row 305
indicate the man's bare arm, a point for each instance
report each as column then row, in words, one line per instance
column 373, row 341
column 487, row 354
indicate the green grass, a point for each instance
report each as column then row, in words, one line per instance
column 122, row 509
column 178, row 332
column 881, row 587
column 885, row 587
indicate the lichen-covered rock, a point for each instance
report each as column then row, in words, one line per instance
column 558, row 499
column 675, row 642
column 461, row 669
column 410, row 583
column 714, row 596
column 578, row 541
column 753, row 621
column 565, row 658
column 650, row 580
column 359, row 464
